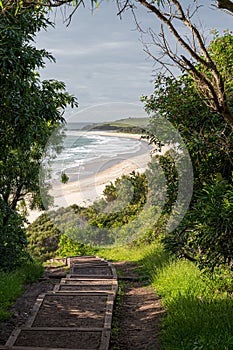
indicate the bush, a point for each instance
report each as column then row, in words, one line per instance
column 213, row 225
column 69, row 246
column 43, row 238
column 13, row 239
column 206, row 232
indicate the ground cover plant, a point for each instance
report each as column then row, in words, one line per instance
column 12, row 285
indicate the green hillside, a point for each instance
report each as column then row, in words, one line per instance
column 129, row 122
column 123, row 125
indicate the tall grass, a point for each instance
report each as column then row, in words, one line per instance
column 199, row 312
column 124, row 253
column 12, row 285
column 198, row 317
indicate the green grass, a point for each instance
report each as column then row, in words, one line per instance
column 199, row 310
column 12, row 286
column 123, row 253
column 198, row 317
column 117, row 308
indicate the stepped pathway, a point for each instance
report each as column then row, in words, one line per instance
column 76, row 315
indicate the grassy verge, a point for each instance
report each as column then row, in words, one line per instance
column 199, row 310
column 124, row 253
column 117, row 307
column 11, row 286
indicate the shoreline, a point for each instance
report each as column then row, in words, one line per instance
column 87, row 189
column 91, row 168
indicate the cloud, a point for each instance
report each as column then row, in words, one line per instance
column 100, row 58
column 106, row 111
column 77, row 50
column 95, row 68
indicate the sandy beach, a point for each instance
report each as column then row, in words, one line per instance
column 87, row 189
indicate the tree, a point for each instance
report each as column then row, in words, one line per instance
column 225, row 5
column 207, row 137
column 190, row 53
column 30, row 110
column 205, row 234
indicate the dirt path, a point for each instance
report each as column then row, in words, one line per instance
column 22, row 309
column 76, row 314
column 138, row 313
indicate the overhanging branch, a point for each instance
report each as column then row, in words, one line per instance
column 225, row 5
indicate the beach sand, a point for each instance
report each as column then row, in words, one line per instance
column 87, row 189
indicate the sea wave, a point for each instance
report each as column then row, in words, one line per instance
column 83, row 148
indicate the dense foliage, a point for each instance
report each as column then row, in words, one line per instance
column 207, row 136
column 76, row 230
column 12, row 238
column 43, row 237
column 30, row 112
column 205, row 234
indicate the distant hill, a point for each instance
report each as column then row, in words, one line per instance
column 78, row 125
column 132, row 125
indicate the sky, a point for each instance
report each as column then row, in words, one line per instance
column 100, row 58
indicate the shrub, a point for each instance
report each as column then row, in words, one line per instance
column 13, row 239
column 69, row 246
column 43, row 238
column 206, row 233
column 213, row 224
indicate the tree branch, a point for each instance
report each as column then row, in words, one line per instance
column 226, row 5
column 208, row 80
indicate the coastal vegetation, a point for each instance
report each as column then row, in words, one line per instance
column 31, row 111
column 130, row 125
column 190, row 267
column 78, row 230
column 201, row 236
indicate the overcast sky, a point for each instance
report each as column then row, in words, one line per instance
column 101, row 60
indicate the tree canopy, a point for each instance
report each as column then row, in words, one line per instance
column 30, row 111
column 205, row 234
column 7, row 4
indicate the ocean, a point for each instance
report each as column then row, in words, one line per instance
column 86, row 153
